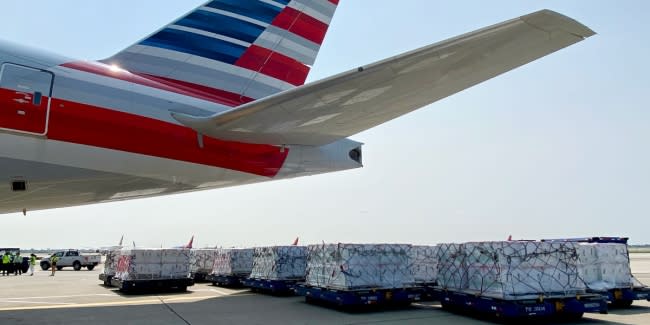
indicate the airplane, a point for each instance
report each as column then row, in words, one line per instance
column 218, row 98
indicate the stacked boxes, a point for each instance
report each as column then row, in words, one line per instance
column 604, row 266
column 202, row 260
column 152, row 264
column 358, row 266
column 424, row 264
column 511, row 269
column 233, row 262
column 279, row 263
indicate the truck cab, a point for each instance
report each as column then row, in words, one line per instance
column 72, row 258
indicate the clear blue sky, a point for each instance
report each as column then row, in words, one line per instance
column 560, row 147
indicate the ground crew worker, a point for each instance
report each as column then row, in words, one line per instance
column 32, row 263
column 18, row 264
column 5, row 263
column 10, row 263
column 54, row 259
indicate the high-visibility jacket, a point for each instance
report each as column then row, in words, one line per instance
column 17, row 259
column 6, row 259
column 55, row 259
column 32, row 260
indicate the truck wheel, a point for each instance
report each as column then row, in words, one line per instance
column 76, row 265
column 90, row 267
column 45, row 266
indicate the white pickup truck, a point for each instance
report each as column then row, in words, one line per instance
column 72, row 258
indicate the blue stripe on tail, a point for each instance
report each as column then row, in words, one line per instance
column 190, row 43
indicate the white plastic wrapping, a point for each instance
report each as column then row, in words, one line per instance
column 510, row 269
column 357, row 266
column 110, row 264
column 279, row 263
column 202, row 260
column 152, row 264
column 233, row 261
column 424, row 264
column 604, row 266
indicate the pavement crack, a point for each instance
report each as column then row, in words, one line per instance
column 173, row 311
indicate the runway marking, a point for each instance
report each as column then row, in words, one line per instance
column 70, row 296
column 152, row 301
column 36, row 302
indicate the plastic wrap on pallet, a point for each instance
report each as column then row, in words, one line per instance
column 202, row 260
column 152, row 264
column 279, row 263
column 604, row 266
column 357, row 266
column 511, row 269
column 233, row 262
column 424, row 263
column 110, row 263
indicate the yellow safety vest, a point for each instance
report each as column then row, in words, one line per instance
column 5, row 259
column 32, row 260
column 55, row 259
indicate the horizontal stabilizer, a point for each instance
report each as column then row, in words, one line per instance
column 354, row 101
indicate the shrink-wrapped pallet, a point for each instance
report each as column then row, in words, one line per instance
column 358, row 266
column 233, row 262
column 279, row 263
column 512, row 269
column 152, row 264
column 202, row 260
column 424, row 264
column 110, row 264
column 604, row 266
column 452, row 271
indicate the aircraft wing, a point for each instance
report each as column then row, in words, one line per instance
column 351, row 102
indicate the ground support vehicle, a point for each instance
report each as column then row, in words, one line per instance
column 153, row 284
column 278, row 287
column 543, row 306
column 359, row 297
column 72, row 258
column 106, row 278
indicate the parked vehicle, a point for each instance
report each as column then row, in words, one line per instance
column 72, row 258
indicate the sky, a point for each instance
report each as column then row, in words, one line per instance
column 557, row 148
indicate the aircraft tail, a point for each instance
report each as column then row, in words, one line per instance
column 233, row 51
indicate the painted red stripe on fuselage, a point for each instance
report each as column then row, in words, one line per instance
column 336, row 2
column 176, row 86
column 301, row 24
column 110, row 129
column 274, row 64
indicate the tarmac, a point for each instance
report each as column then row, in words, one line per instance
column 72, row 297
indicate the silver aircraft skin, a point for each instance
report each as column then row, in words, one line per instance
column 192, row 108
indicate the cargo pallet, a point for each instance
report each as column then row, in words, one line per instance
column 106, row 279
column 157, row 284
column 624, row 297
column 568, row 307
column 359, row 297
column 285, row 287
column 226, row 280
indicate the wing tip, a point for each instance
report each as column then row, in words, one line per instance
column 551, row 20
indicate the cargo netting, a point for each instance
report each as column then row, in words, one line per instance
column 233, row 262
column 202, row 260
column 279, row 263
column 424, row 264
column 510, row 269
column 359, row 266
column 152, row 264
column 605, row 266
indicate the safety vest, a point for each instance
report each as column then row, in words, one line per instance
column 6, row 259
column 17, row 259
column 55, row 259
column 32, row 260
